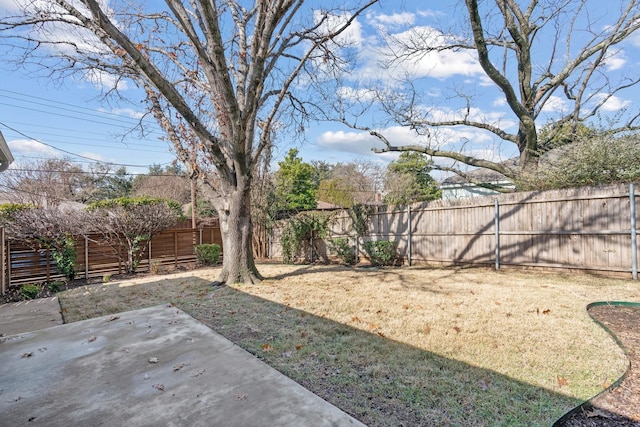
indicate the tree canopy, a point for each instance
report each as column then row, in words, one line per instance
column 295, row 188
column 217, row 76
column 408, row 180
column 544, row 61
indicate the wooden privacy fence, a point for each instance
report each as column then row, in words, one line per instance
column 21, row 264
column 586, row 229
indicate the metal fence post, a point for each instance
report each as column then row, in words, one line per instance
column 634, row 242
column 496, row 208
column 409, row 235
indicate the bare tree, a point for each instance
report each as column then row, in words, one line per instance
column 51, row 228
column 218, row 70
column 537, row 54
column 44, row 183
column 167, row 186
column 128, row 225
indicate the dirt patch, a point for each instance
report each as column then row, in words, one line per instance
column 621, row 405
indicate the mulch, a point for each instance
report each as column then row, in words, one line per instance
column 619, row 406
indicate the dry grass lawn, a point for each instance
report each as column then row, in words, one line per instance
column 404, row 346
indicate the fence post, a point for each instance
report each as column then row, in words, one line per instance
column 175, row 247
column 634, row 242
column 409, row 235
column 149, row 254
column 86, row 257
column 497, row 232
column 3, row 261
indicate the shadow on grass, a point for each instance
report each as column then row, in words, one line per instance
column 379, row 381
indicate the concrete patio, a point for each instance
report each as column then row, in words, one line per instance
column 151, row 367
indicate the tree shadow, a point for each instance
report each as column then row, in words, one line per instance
column 380, row 381
column 585, row 231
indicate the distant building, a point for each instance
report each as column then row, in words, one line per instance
column 5, row 154
column 456, row 187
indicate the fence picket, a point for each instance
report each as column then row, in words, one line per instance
column 21, row 264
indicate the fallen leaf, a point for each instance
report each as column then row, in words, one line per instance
column 178, row 367
column 497, row 302
column 547, row 311
column 372, row 326
column 153, row 360
column 405, row 306
column 25, row 355
column 426, row 329
column 355, row 319
column 158, row 387
column 92, row 339
column 303, row 334
column 457, row 329
column 197, row 374
column 267, row 347
column 562, row 381
column 299, row 346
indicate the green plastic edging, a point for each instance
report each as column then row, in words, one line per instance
column 562, row 420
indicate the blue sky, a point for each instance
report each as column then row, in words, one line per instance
column 70, row 119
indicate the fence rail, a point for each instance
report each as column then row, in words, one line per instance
column 22, row 264
column 585, row 229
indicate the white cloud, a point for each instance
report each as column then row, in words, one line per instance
column 614, row 103
column 351, row 36
column 126, row 112
column 555, row 105
column 31, row 147
column 359, row 143
column 435, row 64
column 394, row 20
column 350, row 93
column 430, row 13
column 615, row 61
column 100, row 79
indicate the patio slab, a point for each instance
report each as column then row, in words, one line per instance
column 148, row 367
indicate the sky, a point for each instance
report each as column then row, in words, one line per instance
column 41, row 118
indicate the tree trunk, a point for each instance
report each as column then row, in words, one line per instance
column 238, row 265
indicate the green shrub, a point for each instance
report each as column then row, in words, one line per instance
column 340, row 246
column 56, row 286
column 65, row 258
column 381, row 252
column 300, row 231
column 207, row 253
column 30, row 291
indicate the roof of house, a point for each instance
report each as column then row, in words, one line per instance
column 482, row 175
column 6, row 158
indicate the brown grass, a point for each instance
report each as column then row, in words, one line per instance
column 404, row 346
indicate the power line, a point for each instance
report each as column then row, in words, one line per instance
column 69, row 152
column 72, row 108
